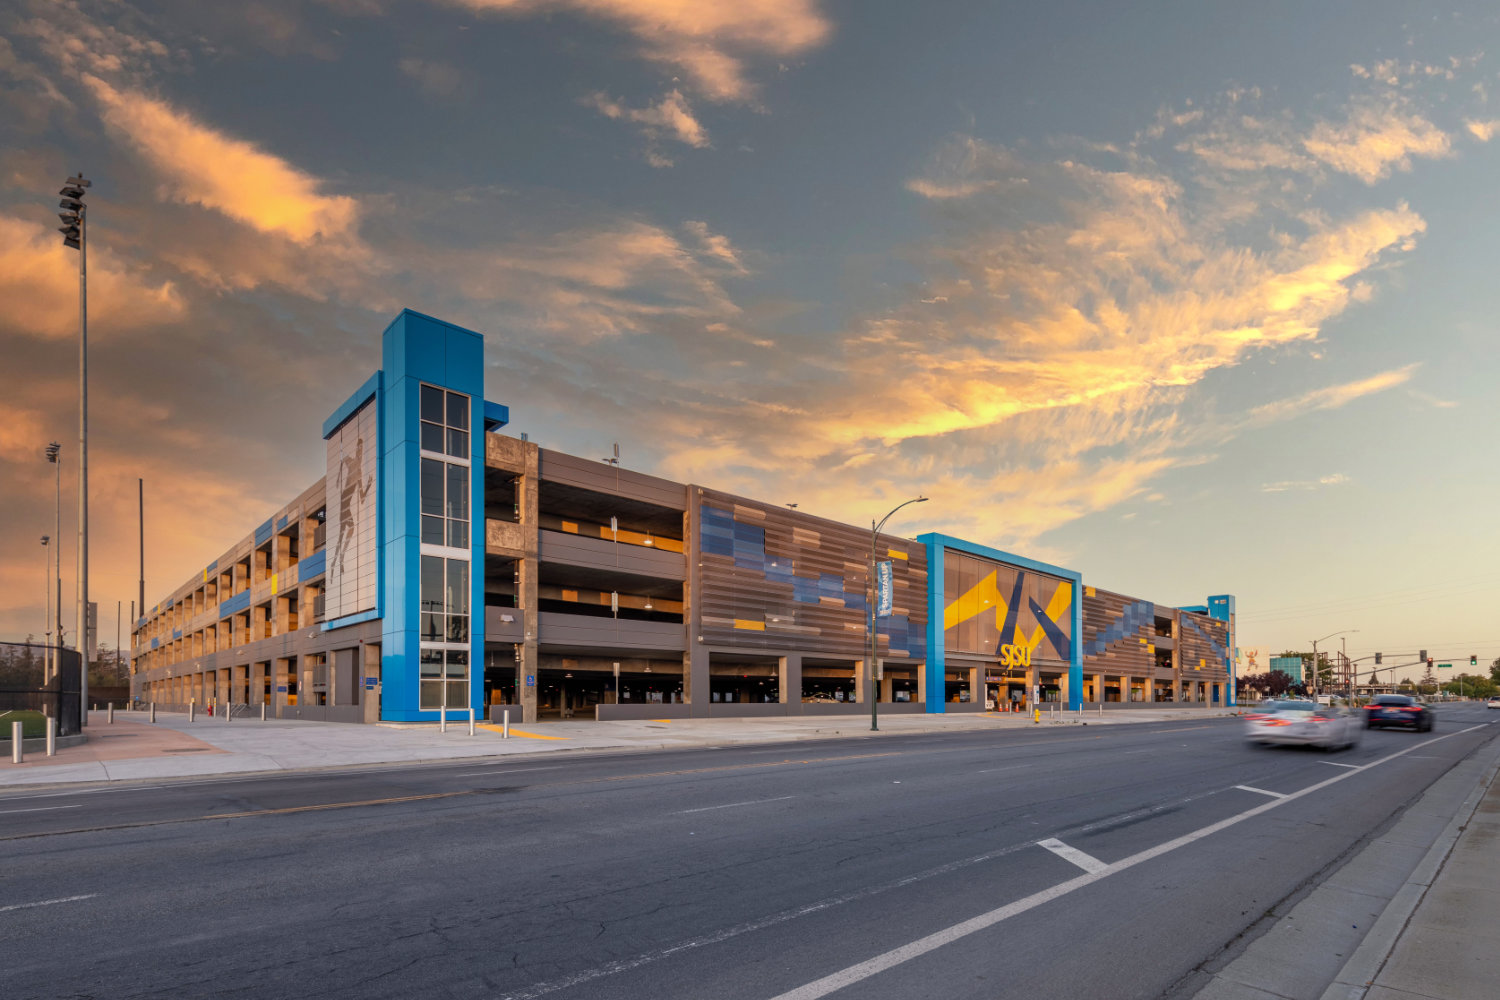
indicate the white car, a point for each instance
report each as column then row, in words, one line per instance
column 1303, row 723
column 1493, row 702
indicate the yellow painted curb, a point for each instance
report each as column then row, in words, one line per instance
column 516, row 732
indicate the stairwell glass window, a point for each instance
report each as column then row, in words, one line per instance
column 446, row 579
column 445, row 422
column 445, row 468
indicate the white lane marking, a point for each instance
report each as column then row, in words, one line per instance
column 1261, row 791
column 750, row 926
column 37, row 809
column 864, row 970
column 1087, row 862
column 731, row 805
column 513, row 770
column 1334, row 763
column 992, row 770
column 45, row 902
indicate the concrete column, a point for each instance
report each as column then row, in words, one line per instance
column 304, row 680
column 887, row 689
column 257, row 683
column 281, row 679
column 371, row 695
column 528, row 495
column 789, row 680
column 1062, row 688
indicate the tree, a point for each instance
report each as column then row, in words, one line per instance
column 1495, row 670
column 1428, row 680
column 1471, row 686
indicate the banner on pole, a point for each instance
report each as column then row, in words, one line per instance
column 885, row 588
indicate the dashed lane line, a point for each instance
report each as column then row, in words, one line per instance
column 1261, row 791
column 38, row 809
column 1087, row 862
column 731, row 805
column 46, row 902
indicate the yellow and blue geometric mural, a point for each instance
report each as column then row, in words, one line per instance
column 1006, row 611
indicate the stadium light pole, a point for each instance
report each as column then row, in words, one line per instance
column 874, row 639
column 74, row 216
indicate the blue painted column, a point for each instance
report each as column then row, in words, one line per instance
column 418, row 349
column 937, row 688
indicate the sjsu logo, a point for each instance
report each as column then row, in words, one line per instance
column 1015, row 656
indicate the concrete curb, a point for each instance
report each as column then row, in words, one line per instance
column 1359, row 973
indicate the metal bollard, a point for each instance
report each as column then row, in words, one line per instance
column 262, row 711
column 17, row 751
column 111, row 713
column 442, row 720
column 471, row 720
column 505, row 724
column 228, row 710
column 192, row 709
column 153, row 712
column 51, row 736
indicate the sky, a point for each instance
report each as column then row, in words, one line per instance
column 1192, row 298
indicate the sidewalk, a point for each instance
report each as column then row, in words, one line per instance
column 1449, row 946
column 1414, row 914
column 134, row 749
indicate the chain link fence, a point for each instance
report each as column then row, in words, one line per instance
column 29, row 685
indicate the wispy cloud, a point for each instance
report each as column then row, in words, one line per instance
column 1330, row 397
column 671, row 117
column 39, row 285
column 710, row 43
column 201, row 165
column 1302, row 485
column 434, row 77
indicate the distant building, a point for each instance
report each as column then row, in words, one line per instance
column 1289, row 665
column 442, row 564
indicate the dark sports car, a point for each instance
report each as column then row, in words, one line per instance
column 1398, row 710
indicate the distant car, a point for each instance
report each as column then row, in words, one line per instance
column 1493, row 702
column 1398, row 710
column 1303, row 723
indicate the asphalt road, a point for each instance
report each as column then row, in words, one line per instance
column 1060, row 862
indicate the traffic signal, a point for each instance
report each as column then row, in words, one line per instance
column 1377, row 659
column 1473, row 661
column 1429, row 663
column 1423, row 656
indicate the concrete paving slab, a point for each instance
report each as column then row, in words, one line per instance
column 1319, row 934
column 1223, row 989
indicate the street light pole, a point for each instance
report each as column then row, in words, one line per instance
column 871, row 682
column 75, row 234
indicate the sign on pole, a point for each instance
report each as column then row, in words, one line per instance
column 1445, row 666
column 885, row 588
